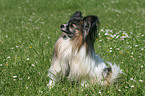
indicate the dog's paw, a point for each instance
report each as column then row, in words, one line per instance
column 51, row 84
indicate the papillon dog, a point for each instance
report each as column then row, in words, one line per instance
column 74, row 55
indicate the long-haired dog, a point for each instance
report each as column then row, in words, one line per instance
column 74, row 56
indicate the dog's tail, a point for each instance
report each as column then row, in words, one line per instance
column 116, row 72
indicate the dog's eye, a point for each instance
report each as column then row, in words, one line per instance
column 74, row 26
column 86, row 26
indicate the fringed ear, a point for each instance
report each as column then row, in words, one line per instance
column 77, row 14
column 90, row 28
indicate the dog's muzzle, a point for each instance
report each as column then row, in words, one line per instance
column 65, row 28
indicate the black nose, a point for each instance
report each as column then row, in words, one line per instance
column 61, row 26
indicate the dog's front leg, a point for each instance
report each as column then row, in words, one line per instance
column 57, row 71
column 54, row 73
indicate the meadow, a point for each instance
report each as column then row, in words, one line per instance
column 30, row 28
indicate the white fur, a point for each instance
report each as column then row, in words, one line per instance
column 79, row 64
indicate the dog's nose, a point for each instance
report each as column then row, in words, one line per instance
column 61, row 26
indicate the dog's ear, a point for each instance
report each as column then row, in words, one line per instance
column 90, row 28
column 77, row 14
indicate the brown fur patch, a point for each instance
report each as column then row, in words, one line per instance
column 77, row 40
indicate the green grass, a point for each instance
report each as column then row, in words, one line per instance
column 29, row 29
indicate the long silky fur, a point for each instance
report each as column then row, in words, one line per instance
column 80, row 64
column 75, row 59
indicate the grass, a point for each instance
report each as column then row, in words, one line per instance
column 29, row 29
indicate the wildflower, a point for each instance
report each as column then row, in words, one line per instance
column 127, row 51
column 86, row 95
column 119, row 89
column 6, row 35
column 14, row 76
column 1, row 64
column 100, row 40
column 27, row 59
column 12, row 48
column 132, row 86
column 7, row 64
column 131, row 79
column 30, row 47
column 131, row 32
column 28, row 77
column 26, row 87
column 107, row 91
column 141, row 66
column 22, row 22
column 18, row 57
column 117, row 36
column 42, row 22
column 117, row 49
column 36, row 62
column 107, row 50
column 33, row 65
column 126, row 87
column 8, row 57
column 17, row 46
column 140, row 80
column 106, row 33
column 100, row 92
column 102, row 30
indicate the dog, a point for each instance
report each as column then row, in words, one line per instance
column 74, row 55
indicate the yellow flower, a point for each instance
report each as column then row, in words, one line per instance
column 107, row 50
column 30, row 47
column 127, row 51
column 7, row 64
column 120, row 52
column 107, row 91
column 18, row 57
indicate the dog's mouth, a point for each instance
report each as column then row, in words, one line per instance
column 65, row 29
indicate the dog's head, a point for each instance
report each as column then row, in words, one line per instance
column 73, row 26
column 84, row 29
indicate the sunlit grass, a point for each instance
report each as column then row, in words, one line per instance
column 30, row 28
